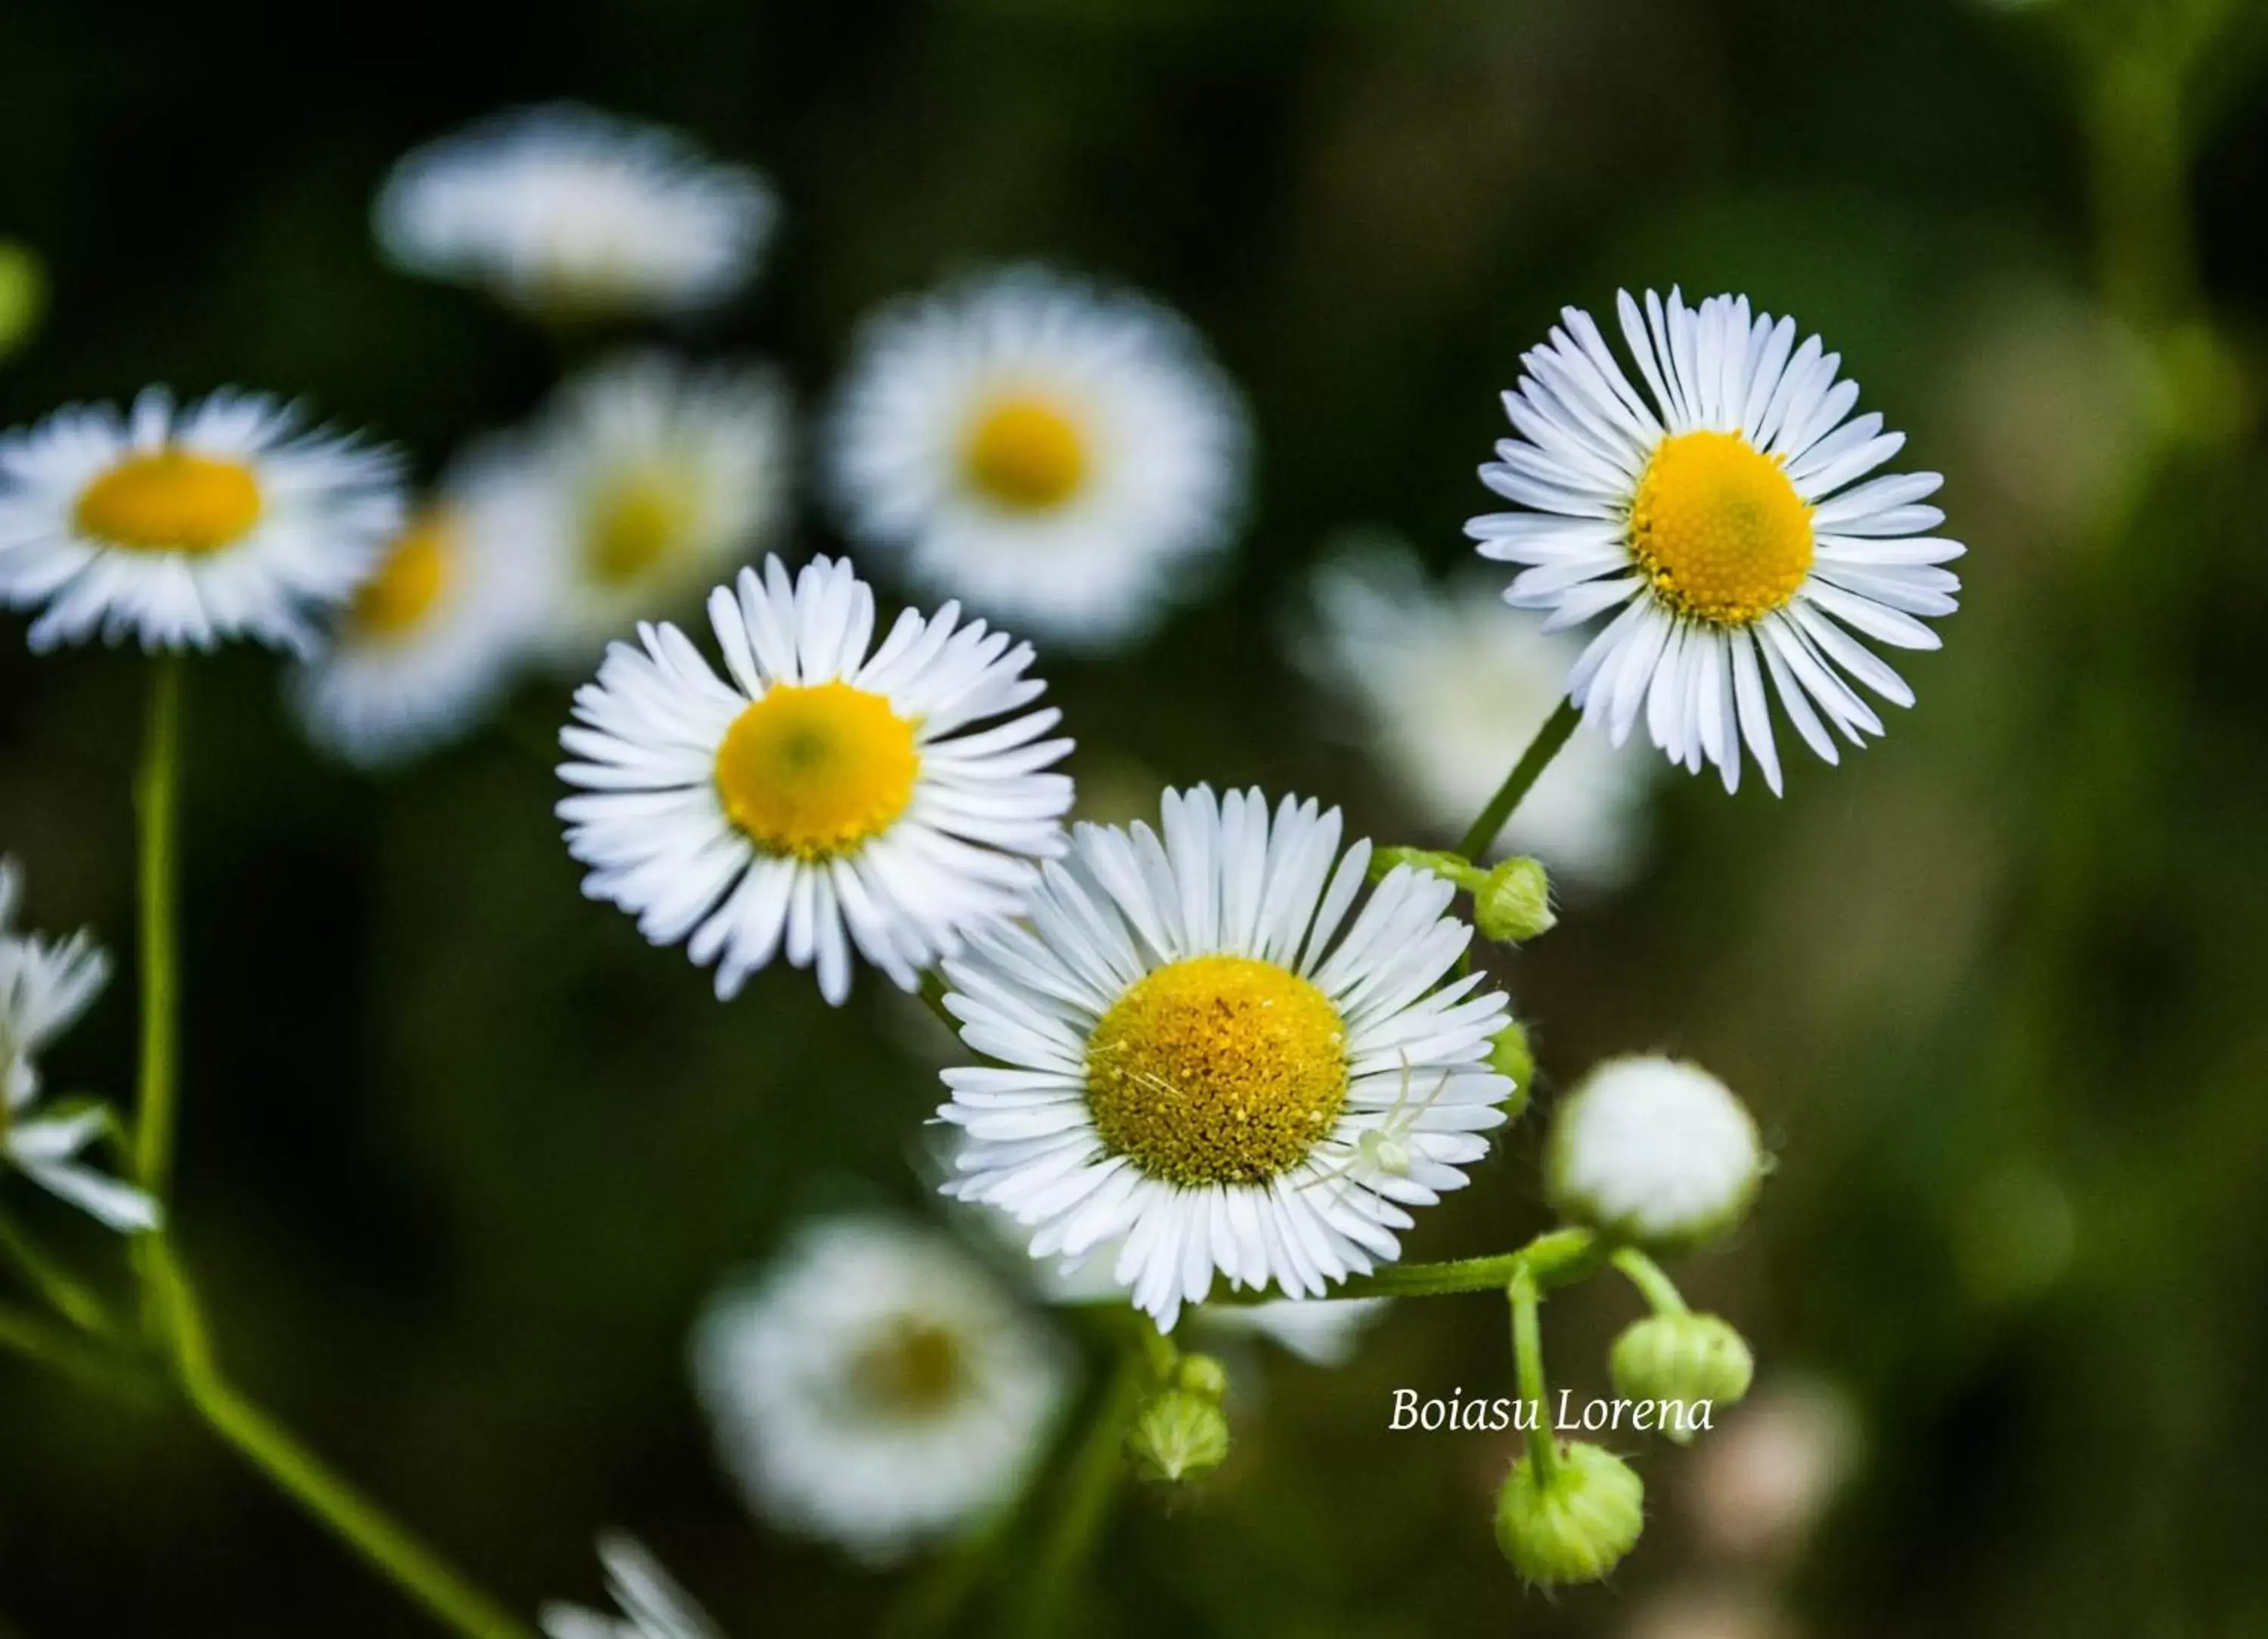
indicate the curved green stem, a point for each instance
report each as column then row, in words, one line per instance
column 41, row 1340
column 156, row 801
column 1090, row 1486
column 1659, row 1290
column 1533, row 761
column 62, row 1290
column 1527, row 1298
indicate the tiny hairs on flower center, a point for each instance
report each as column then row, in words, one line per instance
column 1025, row 452
column 418, row 570
column 816, row 770
column 169, row 500
column 636, row 522
column 1217, row 1070
column 1720, row 530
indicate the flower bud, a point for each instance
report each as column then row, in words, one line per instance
column 1654, row 1151
column 1179, row 1436
column 1689, row 1359
column 1512, row 1058
column 1512, row 903
column 1574, row 1525
column 1202, row 1374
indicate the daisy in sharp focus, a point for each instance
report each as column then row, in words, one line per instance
column 1721, row 517
column 43, row 990
column 829, row 795
column 653, row 1606
column 877, row 1386
column 664, row 477
column 1192, row 1041
column 569, row 213
column 181, row 525
column 1055, row 453
column 431, row 639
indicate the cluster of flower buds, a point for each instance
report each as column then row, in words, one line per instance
column 1512, row 901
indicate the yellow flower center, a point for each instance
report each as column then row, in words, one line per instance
column 1025, row 452
column 418, row 570
column 1217, row 1070
column 169, row 500
column 914, row 1368
column 815, row 771
column 1718, row 529
column 636, row 521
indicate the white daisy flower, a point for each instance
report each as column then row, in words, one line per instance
column 44, row 988
column 1653, row 1150
column 1055, row 453
column 1719, row 516
column 566, row 212
column 653, row 1606
column 1449, row 687
column 181, row 526
column 877, row 1386
column 429, row 641
column 665, row 477
column 823, row 790
column 1193, row 1047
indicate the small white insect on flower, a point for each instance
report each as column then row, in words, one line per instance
column 1055, row 453
column 1655, row 1150
column 179, row 527
column 44, row 988
column 566, row 212
column 877, row 1388
column 651, row 1604
column 829, row 788
column 1724, row 518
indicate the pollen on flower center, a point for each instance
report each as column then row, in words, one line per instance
column 169, row 500
column 636, row 522
column 912, row 1369
column 416, row 572
column 1217, row 1070
column 1025, row 453
column 815, row 770
column 1718, row 529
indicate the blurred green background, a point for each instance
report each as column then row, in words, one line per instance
column 462, row 1155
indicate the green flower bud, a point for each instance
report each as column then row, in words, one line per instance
column 1686, row 1360
column 1180, row 1435
column 1512, row 903
column 1576, row 1525
column 22, row 295
column 1513, row 1058
column 1202, row 1374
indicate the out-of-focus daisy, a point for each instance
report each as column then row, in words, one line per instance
column 823, row 791
column 1192, row 1043
column 1449, row 685
column 653, row 1606
column 1722, row 516
column 43, row 990
column 665, row 476
column 1322, row 1331
column 1054, row 453
column 431, row 637
column 183, row 526
column 877, row 1388
column 1655, row 1150
column 570, row 213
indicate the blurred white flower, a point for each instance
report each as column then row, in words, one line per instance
column 653, row 1606
column 43, row 990
column 1322, row 1331
column 566, row 212
column 1764, row 1479
column 1448, row 686
column 664, row 477
column 1653, row 1150
column 824, row 791
column 1189, row 1055
column 179, row 526
column 877, row 1388
column 1056, row 454
column 1709, row 1613
column 1719, row 520
column 431, row 638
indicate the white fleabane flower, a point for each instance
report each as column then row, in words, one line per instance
column 1449, row 687
column 666, row 476
column 1655, row 1150
column 1192, row 1044
column 1055, row 453
column 566, row 212
column 653, row 1606
column 877, row 1388
column 179, row 526
column 1722, row 516
column 44, row 988
column 829, row 788
column 431, row 639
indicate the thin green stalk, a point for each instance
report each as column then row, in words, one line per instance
column 41, row 1340
column 1090, row 1487
column 1525, row 772
column 303, row 1476
column 68, row 1298
column 1659, row 1290
column 157, row 804
column 1527, row 1298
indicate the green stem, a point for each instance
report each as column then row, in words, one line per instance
column 39, row 1340
column 309, row 1481
column 1527, row 1298
column 1533, row 761
column 156, row 801
column 69, row 1299
column 1659, row 1290
column 1090, row 1487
